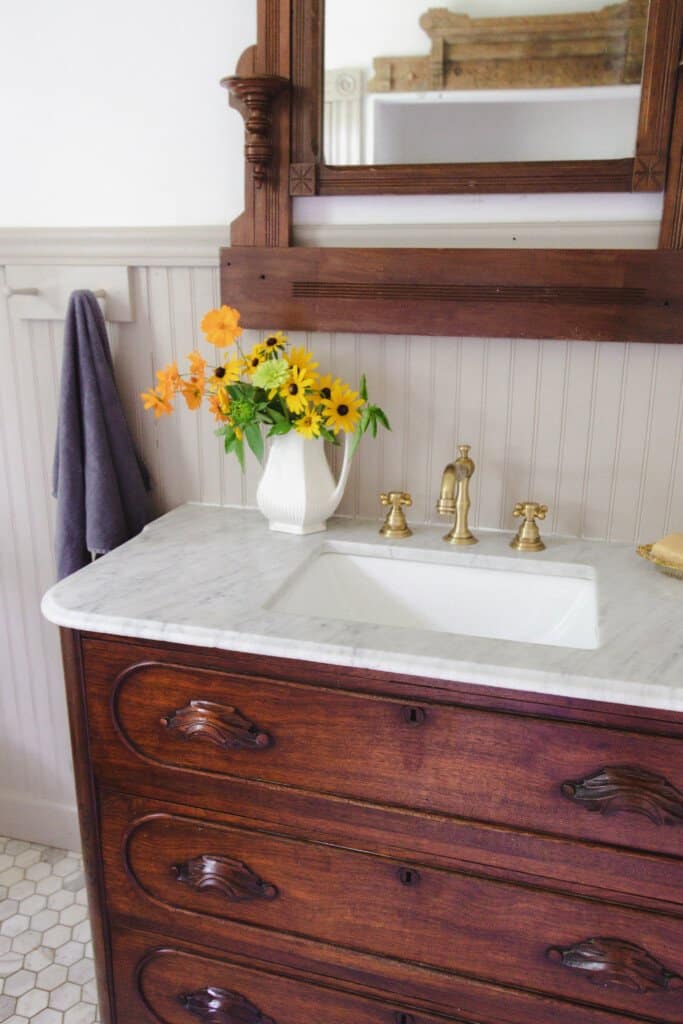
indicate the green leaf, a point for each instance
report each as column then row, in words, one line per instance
column 381, row 416
column 355, row 441
column 283, row 427
column 365, row 419
column 252, row 432
column 238, row 448
column 373, row 424
column 364, row 388
column 327, row 435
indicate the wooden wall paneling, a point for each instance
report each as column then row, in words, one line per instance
column 603, row 295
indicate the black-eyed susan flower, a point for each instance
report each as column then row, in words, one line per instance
column 342, row 409
column 256, row 357
column 274, row 343
column 222, row 326
column 227, row 373
column 302, row 359
column 309, row 424
column 294, row 390
column 324, row 386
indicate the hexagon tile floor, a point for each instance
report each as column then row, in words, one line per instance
column 46, row 967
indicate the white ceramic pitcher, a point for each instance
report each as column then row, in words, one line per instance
column 297, row 492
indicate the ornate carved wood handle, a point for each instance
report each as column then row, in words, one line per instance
column 621, row 788
column 216, row 723
column 219, row 1006
column 612, row 963
column 231, row 878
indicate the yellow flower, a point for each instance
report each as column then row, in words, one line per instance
column 254, row 359
column 192, row 391
column 221, row 326
column 294, row 390
column 197, row 364
column 341, row 409
column 169, row 380
column 324, row 386
column 157, row 400
column 227, row 373
column 309, row 424
column 219, row 404
column 274, row 342
column 302, row 359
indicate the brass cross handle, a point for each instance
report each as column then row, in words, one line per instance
column 395, row 524
column 528, row 537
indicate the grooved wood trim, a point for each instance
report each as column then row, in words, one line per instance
column 187, row 246
column 671, row 236
column 580, row 294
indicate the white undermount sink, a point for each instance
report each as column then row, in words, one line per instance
column 496, row 597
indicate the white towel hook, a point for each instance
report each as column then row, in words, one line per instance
column 10, row 292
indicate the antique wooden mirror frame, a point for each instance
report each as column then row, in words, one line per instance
column 538, row 293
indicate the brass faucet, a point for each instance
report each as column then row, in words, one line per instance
column 454, row 497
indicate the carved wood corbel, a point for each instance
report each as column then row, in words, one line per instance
column 254, row 95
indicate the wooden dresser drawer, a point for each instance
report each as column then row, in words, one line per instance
column 186, row 731
column 221, row 878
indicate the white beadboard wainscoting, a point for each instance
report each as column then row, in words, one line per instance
column 593, row 430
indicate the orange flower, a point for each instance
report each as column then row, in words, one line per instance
column 157, row 400
column 169, row 380
column 219, row 404
column 197, row 364
column 192, row 391
column 221, row 326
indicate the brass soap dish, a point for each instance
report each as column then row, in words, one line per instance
column 645, row 551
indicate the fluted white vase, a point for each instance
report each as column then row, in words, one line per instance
column 297, row 492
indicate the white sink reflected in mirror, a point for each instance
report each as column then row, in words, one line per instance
column 495, row 597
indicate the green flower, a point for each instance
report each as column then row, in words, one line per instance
column 242, row 411
column 271, row 375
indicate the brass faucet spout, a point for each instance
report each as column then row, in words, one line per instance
column 455, row 497
column 446, row 502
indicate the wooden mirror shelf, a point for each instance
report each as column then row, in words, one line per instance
column 600, row 295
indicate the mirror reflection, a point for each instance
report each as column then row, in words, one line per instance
column 482, row 80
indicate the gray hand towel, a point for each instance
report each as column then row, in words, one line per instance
column 98, row 478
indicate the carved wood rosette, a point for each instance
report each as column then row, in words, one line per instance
column 622, row 788
column 231, row 878
column 612, row 963
column 254, row 95
column 220, row 1006
column 219, row 724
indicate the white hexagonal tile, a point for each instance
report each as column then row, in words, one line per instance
column 82, row 971
column 46, row 886
column 39, row 958
column 7, row 909
column 44, row 920
column 61, row 899
column 38, row 871
column 32, row 904
column 81, row 1013
column 14, row 924
column 16, row 846
column 19, row 983
column 51, row 977
column 69, row 953
column 31, row 1003
column 89, row 992
column 20, row 890
column 5, row 943
column 28, row 857
column 7, row 1006
column 47, row 1017
column 81, row 932
column 66, row 996
column 26, row 941
column 72, row 915
column 5, row 862
column 82, row 897
column 56, row 936
column 65, row 867
column 10, row 963
column 11, row 875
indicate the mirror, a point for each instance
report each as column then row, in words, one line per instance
column 485, row 81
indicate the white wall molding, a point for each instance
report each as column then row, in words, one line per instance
column 40, row 821
column 148, row 247
column 633, row 234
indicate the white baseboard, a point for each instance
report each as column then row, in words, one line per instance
column 39, row 821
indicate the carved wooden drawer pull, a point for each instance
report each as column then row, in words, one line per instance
column 220, row 724
column 231, row 878
column 621, row 788
column 219, row 1006
column 611, row 963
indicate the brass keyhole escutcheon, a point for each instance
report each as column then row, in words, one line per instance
column 414, row 715
column 408, row 876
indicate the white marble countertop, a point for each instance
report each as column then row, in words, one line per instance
column 201, row 575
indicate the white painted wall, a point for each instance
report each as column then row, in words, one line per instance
column 112, row 113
